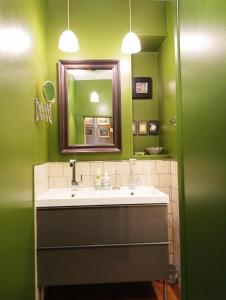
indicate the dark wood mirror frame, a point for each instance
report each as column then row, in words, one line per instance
column 63, row 67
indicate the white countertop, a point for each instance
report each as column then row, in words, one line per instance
column 92, row 196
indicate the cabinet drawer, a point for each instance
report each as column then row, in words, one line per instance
column 102, row 265
column 101, row 225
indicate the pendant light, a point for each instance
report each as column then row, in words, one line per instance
column 68, row 41
column 130, row 42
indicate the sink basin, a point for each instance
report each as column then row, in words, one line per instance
column 91, row 196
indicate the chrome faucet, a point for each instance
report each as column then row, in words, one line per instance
column 74, row 183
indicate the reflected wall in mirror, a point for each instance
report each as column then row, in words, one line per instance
column 90, row 119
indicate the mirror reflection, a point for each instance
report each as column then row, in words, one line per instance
column 98, row 130
column 89, row 107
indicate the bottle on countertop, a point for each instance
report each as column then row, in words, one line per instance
column 98, row 179
column 106, row 181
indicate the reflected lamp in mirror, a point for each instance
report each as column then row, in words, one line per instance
column 94, row 97
column 86, row 123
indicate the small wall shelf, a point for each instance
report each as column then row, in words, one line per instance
column 151, row 43
column 152, row 157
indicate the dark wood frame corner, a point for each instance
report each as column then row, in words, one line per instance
column 63, row 67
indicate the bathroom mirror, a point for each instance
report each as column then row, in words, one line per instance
column 49, row 91
column 90, row 119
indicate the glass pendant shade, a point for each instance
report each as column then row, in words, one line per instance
column 68, row 42
column 130, row 43
column 94, row 97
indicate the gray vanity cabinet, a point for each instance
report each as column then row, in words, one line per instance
column 98, row 244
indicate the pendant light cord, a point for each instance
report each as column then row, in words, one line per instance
column 130, row 26
column 68, row 14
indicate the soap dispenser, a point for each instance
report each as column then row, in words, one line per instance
column 106, row 180
column 98, row 179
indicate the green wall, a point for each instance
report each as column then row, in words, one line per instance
column 23, row 143
column 203, row 148
column 100, row 26
column 71, row 108
column 148, row 17
column 158, row 63
column 145, row 64
column 167, row 85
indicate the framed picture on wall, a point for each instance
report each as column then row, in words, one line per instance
column 142, row 128
column 134, row 127
column 142, row 87
column 89, row 131
column 103, row 121
column 104, row 132
column 153, row 127
column 88, row 120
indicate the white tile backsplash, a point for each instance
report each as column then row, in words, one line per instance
column 60, row 182
column 173, row 167
column 124, row 179
column 88, row 181
column 148, row 167
column 110, row 167
column 140, row 180
column 174, row 181
column 152, row 180
column 166, row 190
column 67, row 170
column 96, row 165
column 164, row 180
column 41, row 172
column 41, row 187
column 83, row 168
column 162, row 167
column 174, row 193
column 123, row 167
column 57, row 182
column 56, row 169
column 137, row 169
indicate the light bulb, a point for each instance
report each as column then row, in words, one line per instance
column 94, row 97
column 14, row 40
column 131, row 43
column 68, row 42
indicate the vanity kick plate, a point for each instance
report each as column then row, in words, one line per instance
column 102, row 265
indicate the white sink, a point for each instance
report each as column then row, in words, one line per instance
column 91, row 196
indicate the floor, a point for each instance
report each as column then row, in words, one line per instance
column 173, row 291
column 128, row 291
